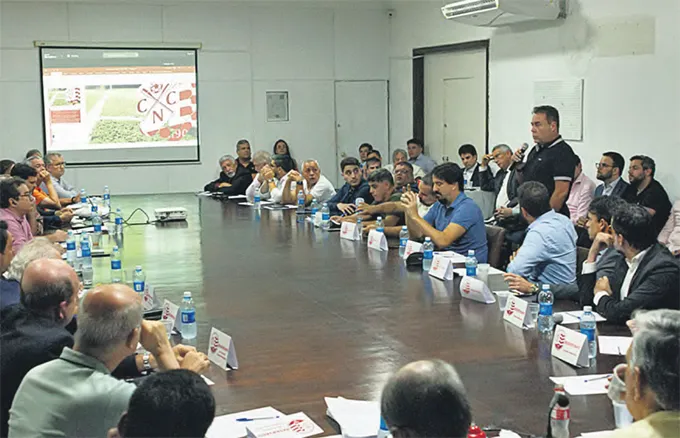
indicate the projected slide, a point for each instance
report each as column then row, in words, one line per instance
column 120, row 105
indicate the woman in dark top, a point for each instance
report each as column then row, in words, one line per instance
column 281, row 148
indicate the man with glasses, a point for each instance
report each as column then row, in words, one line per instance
column 403, row 177
column 56, row 166
column 646, row 191
column 17, row 209
column 609, row 171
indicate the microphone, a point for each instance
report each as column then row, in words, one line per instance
column 519, row 165
column 558, row 318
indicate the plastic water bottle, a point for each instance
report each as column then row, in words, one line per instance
column 97, row 224
column 587, row 327
column 379, row 227
column 107, row 197
column 428, row 254
column 325, row 217
column 86, row 260
column 188, row 315
column 118, row 224
column 545, row 310
column 403, row 240
column 138, row 280
column 71, row 252
column 560, row 414
column 301, row 206
column 360, row 227
column 314, row 207
column 471, row 264
column 116, row 268
column 83, row 196
column 257, row 199
column 383, row 431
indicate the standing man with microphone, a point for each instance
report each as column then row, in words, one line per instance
column 551, row 162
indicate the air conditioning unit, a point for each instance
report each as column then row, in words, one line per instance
column 493, row 13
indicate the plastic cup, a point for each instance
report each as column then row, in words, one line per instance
column 502, row 299
column 622, row 417
column 483, row 272
column 169, row 324
column 617, row 385
column 96, row 240
column 533, row 313
column 359, row 201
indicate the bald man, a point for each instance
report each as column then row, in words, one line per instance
column 312, row 183
column 426, row 399
column 75, row 395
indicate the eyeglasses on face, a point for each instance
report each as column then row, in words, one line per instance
column 602, row 165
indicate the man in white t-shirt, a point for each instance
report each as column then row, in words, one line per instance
column 314, row 185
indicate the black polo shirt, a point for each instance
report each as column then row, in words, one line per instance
column 549, row 163
column 654, row 196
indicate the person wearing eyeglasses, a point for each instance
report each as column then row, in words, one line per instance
column 646, row 191
column 56, row 166
column 18, row 210
column 610, row 171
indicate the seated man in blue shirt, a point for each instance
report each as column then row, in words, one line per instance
column 355, row 187
column 548, row 254
column 455, row 222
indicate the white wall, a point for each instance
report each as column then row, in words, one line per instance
column 631, row 101
column 247, row 49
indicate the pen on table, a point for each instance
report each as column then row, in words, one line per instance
column 255, row 419
column 606, row 376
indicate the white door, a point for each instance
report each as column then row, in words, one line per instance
column 455, row 103
column 464, row 115
column 360, row 117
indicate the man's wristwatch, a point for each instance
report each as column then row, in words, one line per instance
column 146, row 362
column 534, row 289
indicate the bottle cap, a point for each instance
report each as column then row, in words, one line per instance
column 587, row 309
column 471, row 252
column 476, row 432
column 404, row 227
column 115, row 248
column 138, row 268
column 187, row 294
column 427, row 239
column 379, row 218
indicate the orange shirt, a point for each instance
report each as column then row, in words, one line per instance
column 39, row 195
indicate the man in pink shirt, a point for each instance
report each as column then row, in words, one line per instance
column 17, row 209
column 580, row 196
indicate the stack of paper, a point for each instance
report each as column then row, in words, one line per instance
column 454, row 256
column 584, row 385
column 234, row 425
column 574, row 316
column 290, row 426
column 614, row 345
column 357, row 418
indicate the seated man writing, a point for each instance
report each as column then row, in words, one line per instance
column 383, row 191
column 548, row 254
column 355, row 187
column 455, row 222
column 314, row 185
column 651, row 279
column 233, row 180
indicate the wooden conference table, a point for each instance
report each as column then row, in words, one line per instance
column 312, row 315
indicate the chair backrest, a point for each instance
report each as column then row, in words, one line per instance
column 495, row 237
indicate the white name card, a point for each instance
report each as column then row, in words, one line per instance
column 149, row 297
column 350, row 231
column 441, row 268
column 570, row 346
column 476, row 290
column 412, row 247
column 291, row 426
column 170, row 311
column 517, row 312
column 221, row 350
column 377, row 240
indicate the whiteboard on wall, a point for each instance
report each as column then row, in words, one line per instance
column 567, row 97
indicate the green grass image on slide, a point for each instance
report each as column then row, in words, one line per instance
column 122, row 102
column 123, row 131
column 92, row 97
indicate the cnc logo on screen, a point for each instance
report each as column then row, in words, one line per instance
column 511, row 309
column 561, row 341
column 73, row 96
column 300, row 426
column 215, row 343
column 169, row 109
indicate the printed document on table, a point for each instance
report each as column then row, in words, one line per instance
column 584, row 385
column 226, row 426
column 614, row 345
column 357, row 418
column 574, row 316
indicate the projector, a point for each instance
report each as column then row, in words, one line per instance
column 170, row 214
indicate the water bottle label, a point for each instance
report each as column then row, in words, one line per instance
column 325, row 216
column 471, row 271
column 301, row 202
column 138, row 286
column 115, row 264
column 119, row 220
column 85, row 251
column 188, row 316
column 258, row 199
column 545, row 309
column 97, row 228
column 561, row 414
column 428, row 255
column 71, row 246
column 403, row 242
column 107, row 196
column 589, row 332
